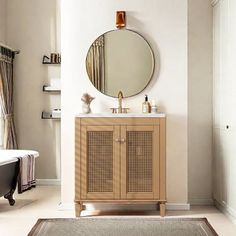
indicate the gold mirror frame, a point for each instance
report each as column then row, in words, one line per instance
column 96, row 59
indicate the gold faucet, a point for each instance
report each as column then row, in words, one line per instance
column 120, row 97
column 120, row 109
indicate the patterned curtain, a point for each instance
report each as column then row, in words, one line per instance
column 95, row 64
column 6, row 97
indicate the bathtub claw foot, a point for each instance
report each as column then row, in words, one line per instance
column 9, row 197
column 11, row 202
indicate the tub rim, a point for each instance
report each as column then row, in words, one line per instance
column 14, row 158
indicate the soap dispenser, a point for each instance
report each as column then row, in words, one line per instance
column 146, row 105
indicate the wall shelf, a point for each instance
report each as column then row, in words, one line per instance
column 53, row 59
column 50, row 63
column 51, row 89
column 49, row 116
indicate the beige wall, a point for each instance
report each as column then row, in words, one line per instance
column 200, row 101
column 164, row 24
column 31, row 27
column 2, row 21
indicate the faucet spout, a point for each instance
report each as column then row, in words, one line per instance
column 120, row 97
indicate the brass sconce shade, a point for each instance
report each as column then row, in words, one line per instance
column 120, row 19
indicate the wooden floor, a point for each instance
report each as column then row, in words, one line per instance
column 42, row 202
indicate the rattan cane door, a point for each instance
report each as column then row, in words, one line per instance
column 140, row 162
column 100, row 162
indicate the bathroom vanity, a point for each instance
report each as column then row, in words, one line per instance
column 120, row 159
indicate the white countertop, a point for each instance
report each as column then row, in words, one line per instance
column 121, row 115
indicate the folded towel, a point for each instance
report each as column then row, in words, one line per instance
column 26, row 178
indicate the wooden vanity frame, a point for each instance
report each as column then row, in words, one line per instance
column 80, row 160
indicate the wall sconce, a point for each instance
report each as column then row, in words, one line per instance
column 120, row 19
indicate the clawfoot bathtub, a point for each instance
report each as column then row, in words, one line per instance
column 9, row 169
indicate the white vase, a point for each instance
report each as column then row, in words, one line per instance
column 86, row 108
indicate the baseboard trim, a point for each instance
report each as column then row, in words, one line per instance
column 178, row 206
column 48, row 182
column 227, row 210
column 201, row 202
column 169, row 206
column 66, row 206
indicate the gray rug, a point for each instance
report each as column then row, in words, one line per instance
column 123, row 227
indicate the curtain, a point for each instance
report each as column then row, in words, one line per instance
column 6, row 97
column 95, row 64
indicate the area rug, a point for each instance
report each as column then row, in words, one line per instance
column 123, row 227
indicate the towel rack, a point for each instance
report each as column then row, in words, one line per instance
column 14, row 50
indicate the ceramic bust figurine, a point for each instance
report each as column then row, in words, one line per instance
column 86, row 99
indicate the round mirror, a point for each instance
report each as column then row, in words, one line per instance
column 120, row 60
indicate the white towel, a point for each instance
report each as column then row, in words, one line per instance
column 26, row 178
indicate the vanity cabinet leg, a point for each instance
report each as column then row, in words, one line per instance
column 78, row 209
column 162, row 209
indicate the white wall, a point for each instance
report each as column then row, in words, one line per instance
column 3, row 21
column 224, row 104
column 200, row 101
column 31, row 27
column 164, row 25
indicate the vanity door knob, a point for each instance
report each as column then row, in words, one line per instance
column 122, row 140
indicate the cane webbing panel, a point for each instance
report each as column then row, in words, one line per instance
column 100, row 161
column 139, row 161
